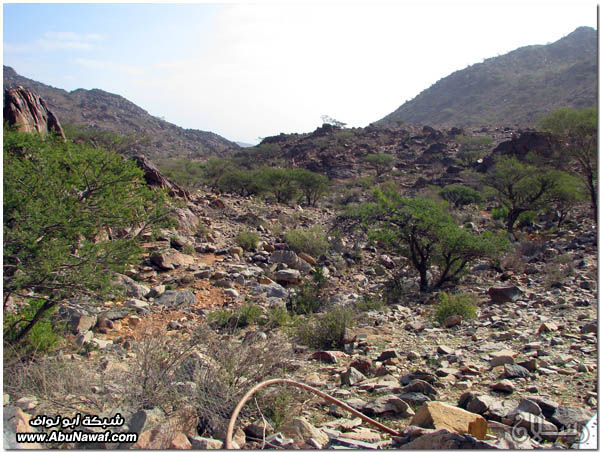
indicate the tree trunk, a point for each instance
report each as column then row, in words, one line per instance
column 38, row 315
column 423, row 285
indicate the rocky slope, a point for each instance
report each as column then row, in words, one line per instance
column 522, row 374
column 512, row 89
column 106, row 111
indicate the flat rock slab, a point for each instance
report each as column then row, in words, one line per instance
column 176, row 298
column 571, row 416
column 441, row 415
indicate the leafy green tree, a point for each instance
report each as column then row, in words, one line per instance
column 579, row 132
column 460, row 195
column 280, row 182
column 184, row 172
column 214, row 169
column 381, row 163
column 242, row 182
column 520, row 187
column 256, row 156
column 426, row 233
column 60, row 198
column 312, row 185
column 567, row 193
column 107, row 139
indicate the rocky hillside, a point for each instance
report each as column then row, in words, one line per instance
column 512, row 89
column 101, row 110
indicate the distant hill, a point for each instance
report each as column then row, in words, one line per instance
column 102, row 110
column 513, row 89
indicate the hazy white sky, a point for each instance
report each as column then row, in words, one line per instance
column 252, row 70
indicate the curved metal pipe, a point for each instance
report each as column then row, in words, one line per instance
column 258, row 387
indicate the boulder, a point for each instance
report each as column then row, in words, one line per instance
column 292, row 260
column 288, row 275
column 166, row 434
column 29, row 112
column 132, row 288
column 79, row 321
column 441, row 415
column 565, row 416
column 542, row 144
column 504, row 294
column 300, row 430
column 16, row 421
column 146, row 419
column 352, row 376
column 170, row 259
column 387, row 404
column 515, row 371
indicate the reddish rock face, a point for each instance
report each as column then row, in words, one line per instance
column 156, row 179
column 28, row 111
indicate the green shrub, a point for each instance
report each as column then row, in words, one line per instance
column 311, row 241
column 219, row 318
column 188, row 248
column 278, row 317
column 248, row 314
column 247, row 240
column 499, row 213
column 370, row 303
column 463, row 304
column 309, row 297
column 381, row 163
column 327, row 331
column 366, row 182
column 393, row 289
column 526, row 219
column 202, row 231
column 460, row 195
column 59, row 199
column 43, row 337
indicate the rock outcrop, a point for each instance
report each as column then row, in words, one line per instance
column 156, row 179
column 29, row 112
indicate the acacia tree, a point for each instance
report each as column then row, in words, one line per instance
column 312, row 185
column 426, row 233
column 578, row 130
column 59, row 198
column 381, row 163
column 520, row 187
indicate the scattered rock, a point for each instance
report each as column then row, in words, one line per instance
column 387, row 404
column 300, row 430
column 515, row 371
column 446, row 439
column 453, row 320
column 352, row 376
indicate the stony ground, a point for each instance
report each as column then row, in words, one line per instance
column 529, row 359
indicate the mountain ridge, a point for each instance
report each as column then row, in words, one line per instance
column 100, row 109
column 513, row 89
